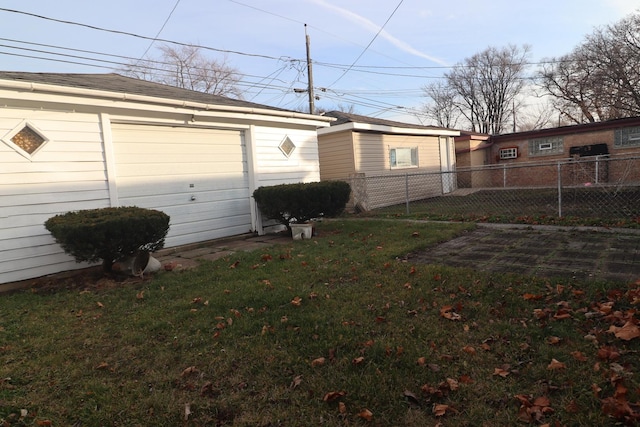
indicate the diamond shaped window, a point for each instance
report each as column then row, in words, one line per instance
column 287, row 146
column 26, row 139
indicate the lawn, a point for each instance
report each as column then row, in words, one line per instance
column 594, row 206
column 340, row 330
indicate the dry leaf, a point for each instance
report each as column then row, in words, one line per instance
column 358, row 361
column 366, row 414
column 318, row 362
column 627, row 332
column 342, row 408
column 440, row 410
column 140, row 295
column 555, row 365
column 101, row 305
column 103, row 365
column 190, row 370
column 579, row 356
column 469, row 349
column 333, row 395
column 187, row 411
column 554, row 340
column 296, row 302
column 422, row 361
column 296, row 381
column 448, row 313
column 502, row 372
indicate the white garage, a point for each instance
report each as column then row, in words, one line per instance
column 199, row 177
column 84, row 141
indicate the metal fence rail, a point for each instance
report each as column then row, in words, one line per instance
column 587, row 187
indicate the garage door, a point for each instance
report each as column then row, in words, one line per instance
column 196, row 176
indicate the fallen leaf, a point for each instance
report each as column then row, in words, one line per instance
column 358, row 361
column 627, row 332
column 140, row 295
column 318, row 362
column 422, row 361
column 469, row 349
column 235, row 264
column 190, row 370
column 366, row 414
column 342, row 408
column 333, row 395
column 501, row 372
column 44, row 423
column 555, row 365
column 102, row 365
column 296, row 381
column 187, row 411
column 448, row 313
column 296, row 302
column 554, row 340
column 532, row 297
column 101, row 305
column 411, row 397
column 579, row 356
column 440, row 410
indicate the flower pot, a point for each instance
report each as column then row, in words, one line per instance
column 301, row 231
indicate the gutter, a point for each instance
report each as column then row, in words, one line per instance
column 122, row 96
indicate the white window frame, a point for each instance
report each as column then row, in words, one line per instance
column 549, row 146
column 508, row 153
column 410, row 153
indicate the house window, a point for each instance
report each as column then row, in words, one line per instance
column 403, row 157
column 627, row 137
column 287, row 146
column 508, row 153
column 546, row 146
column 26, row 139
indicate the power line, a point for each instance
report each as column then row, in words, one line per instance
column 161, row 28
column 370, row 43
column 93, row 27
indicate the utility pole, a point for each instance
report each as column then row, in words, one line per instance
column 309, row 73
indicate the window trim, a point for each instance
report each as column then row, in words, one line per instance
column 507, row 153
column 413, row 154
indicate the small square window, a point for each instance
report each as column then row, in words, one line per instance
column 287, row 146
column 26, row 139
column 403, row 157
column 509, row 153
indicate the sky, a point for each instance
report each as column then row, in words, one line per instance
column 372, row 56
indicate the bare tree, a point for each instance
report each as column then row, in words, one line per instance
column 442, row 109
column 188, row 68
column 484, row 89
column 600, row 79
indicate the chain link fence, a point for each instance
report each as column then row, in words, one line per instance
column 599, row 187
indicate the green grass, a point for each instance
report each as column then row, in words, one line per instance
column 604, row 207
column 266, row 338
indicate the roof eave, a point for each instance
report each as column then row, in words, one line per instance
column 355, row 126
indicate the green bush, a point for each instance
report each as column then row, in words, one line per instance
column 109, row 234
column 287, row 203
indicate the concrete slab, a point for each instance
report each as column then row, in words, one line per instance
column 575, row 253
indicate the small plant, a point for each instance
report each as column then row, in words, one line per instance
column 287, row 203
column 109, row 234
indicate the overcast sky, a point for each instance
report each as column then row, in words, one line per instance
column 373, row 54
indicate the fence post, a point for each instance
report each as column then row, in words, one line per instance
column 559, row 190
column 504, row 176
column 406, row 190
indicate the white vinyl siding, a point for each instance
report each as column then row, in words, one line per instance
column 66, row 174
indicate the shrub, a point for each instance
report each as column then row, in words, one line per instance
column 109, row 234
column 287, row 203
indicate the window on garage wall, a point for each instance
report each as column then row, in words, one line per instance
column 403, row 157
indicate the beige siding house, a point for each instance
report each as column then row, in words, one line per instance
column 84, row 141
column 378, row 156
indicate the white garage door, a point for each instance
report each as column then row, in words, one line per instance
column 196, row 176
